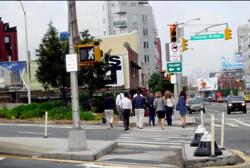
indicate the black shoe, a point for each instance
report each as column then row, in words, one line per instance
column 111, row 125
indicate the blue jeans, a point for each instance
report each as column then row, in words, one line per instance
column 169, row 113
column 151, row 119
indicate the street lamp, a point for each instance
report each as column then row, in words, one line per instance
column 28, row 54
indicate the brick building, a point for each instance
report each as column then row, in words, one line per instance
column 8, row 42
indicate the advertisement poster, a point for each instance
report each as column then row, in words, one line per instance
column 207, row 84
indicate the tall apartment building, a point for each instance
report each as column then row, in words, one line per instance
column 8, row 42
column 104, row 18
column 244, row 49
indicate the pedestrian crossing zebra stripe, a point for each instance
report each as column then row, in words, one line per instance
column 232, row 125
column 2, row 158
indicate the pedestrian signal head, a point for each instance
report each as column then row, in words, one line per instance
column 89, row 54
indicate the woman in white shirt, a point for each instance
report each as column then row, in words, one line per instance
column 169, row 106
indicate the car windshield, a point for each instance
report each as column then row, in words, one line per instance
column 195, row 101
column 236, row 98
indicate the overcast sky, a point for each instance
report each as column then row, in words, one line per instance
column 205, row 56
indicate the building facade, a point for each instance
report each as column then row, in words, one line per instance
column 8, row 42
column 103, row 18
column 244, row 49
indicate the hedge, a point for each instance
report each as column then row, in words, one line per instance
column 35, row 110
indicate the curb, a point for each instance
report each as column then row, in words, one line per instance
column 230, row 159
column 79, row 156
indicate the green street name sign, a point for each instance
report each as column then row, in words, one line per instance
column 207, row 36
column 174, row 67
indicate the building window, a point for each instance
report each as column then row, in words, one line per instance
column 7, row 42
column 144, row 19
column 145, row 45
column 146, row 58
column 133, row 3
column 134, row 19
column 123, row 3
column 145, row 31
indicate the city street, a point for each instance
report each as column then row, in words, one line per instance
column 136, row 148
column 237, row 126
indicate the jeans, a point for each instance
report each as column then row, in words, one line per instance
column 151, row 119
column 169, row 113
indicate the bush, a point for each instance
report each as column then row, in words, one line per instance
column 87, row 116
column 3, row 112
column 30, row 114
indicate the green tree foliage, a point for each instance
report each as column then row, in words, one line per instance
column 93, row 77
column 51, row 70
column 157, row 84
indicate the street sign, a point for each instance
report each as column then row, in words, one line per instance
column 71, row 63
column 174, row 52
column 174, row 67
column 207, row 36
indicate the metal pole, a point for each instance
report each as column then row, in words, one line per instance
column 73, row 77
column 212, row 136
column 222, row 130
column 27, row 52
column 46, row 125
column 202, row 120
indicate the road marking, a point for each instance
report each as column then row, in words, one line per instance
column 2, row 158
column 240, row 122
column 232, row 125
column 217, row 125
column 33, row 133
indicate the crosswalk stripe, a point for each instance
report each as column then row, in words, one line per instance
column 217, row 125
column 240, row 122
column 2, row 158
column 232, row 125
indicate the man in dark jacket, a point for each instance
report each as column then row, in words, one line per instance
column 108, row 106
column 139, row 104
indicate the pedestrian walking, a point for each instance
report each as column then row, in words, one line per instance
column 139, row 105
column 169, row 104
column 126, row 106
column 151, row 110
column 182, row 108
column 159, row 108
column 118, row 100
column 109, row 106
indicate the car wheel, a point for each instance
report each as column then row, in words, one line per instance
column 228, row 112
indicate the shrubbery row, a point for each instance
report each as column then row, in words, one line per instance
column 36, row 110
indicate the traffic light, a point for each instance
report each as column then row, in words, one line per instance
column 89, row 54
column 184, row 44
column 173, row 33
column 227, row 34
column 165, row 76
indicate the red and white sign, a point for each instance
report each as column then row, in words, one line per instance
column 174, row 52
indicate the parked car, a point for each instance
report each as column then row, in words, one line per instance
column 236, row 103
column 195, row 105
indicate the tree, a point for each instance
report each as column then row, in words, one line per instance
column 51, row 70
column 157, row 84
column 93, row 77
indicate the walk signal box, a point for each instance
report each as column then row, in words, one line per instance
column 88, row 54
column 165, row 76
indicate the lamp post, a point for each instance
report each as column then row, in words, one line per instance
column 28, row 54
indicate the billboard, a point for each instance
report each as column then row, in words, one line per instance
column 207, row 84
column 11, row 73
column 115, row 74
column 235, row 62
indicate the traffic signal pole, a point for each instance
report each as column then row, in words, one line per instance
column 77, row 138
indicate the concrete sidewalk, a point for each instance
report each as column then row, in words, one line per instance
column 53, row 148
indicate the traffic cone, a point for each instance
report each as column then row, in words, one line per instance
column 197, row 136
column 204, row 147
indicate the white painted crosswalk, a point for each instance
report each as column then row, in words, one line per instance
column 232, row 123
column 172, row 137
column 2, row 158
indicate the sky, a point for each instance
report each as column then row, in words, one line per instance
column 205, row 56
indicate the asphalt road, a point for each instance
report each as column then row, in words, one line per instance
column 237, row 126
column 237, row 136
